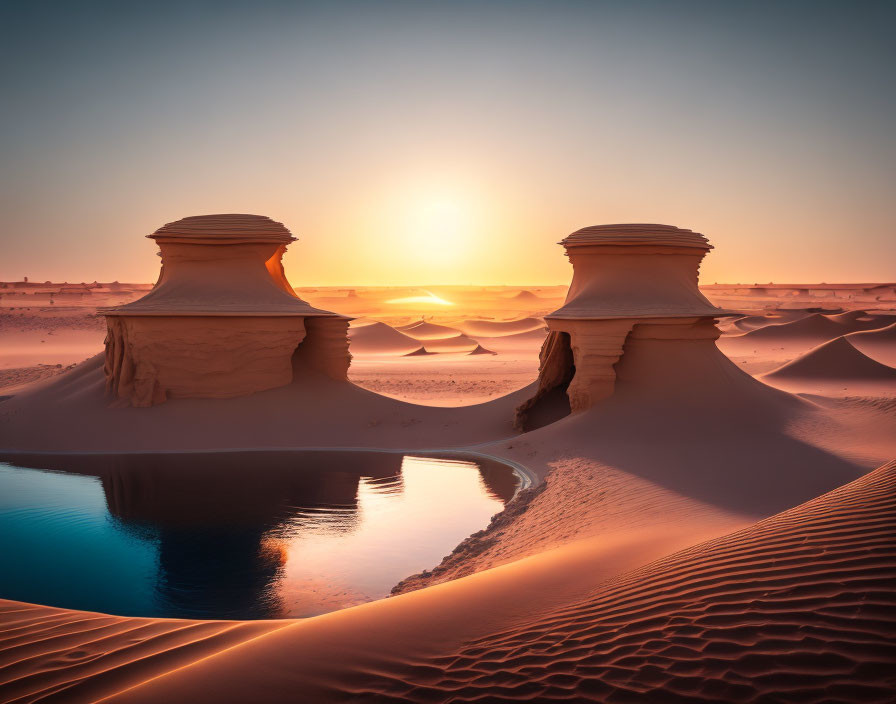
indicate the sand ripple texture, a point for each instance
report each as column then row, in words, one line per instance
column 800, row 607
column 56, row 655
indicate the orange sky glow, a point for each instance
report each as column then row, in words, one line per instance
column 426, row 143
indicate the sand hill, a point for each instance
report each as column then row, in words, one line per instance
column 815, row 326
column 836, row 362
column 379, row 338
column 527, row 296
column 423, row 330
column 495, row 328
column 800, row 602
column 783, row 342
column 753, row 322
column 457, row 343
column 878, row 344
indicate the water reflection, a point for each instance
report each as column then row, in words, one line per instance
column 268, row 534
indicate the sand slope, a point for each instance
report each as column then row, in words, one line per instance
column 71, row 412
column 495, row 328
column 879, row 344
column 423, row 330
column 798, row 607
column 834, row 364
column 815, row 326
column 802, row 603
column 49, row 654
column 379, row 338
column 837, row 359
column 781, row 342
column 458, row 343
column 778, row 317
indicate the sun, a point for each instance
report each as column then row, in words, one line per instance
column 438, row 230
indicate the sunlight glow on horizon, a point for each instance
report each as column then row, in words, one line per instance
column 430, row 298
column 428, row 144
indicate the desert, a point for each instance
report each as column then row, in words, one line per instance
column 617, row 497
column 429, row 353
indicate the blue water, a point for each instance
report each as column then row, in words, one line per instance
column 234, row 535
column 56, row 534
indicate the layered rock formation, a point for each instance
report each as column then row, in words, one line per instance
column 222, row 320
column 634, row 287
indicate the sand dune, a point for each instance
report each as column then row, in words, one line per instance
column 862, row 320
column 495, row 328
column 818, row 326
column 520, row 338
column 64, row 413
column 481, row 350
column 753, row 322
column 526, row 295
column 649, row 457
column 836, row 363
column 783, row 342
column 458, row 343
column 814, row 326
column 800, row 604
column 419, row 352
column 879, row 345
column 379, row 338
column 52, row 654
column 423, row 330
column 836, row 359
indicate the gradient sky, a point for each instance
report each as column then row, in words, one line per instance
column 450, row 142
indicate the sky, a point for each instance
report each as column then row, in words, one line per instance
column 413, row 143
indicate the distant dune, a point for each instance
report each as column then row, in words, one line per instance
column 792, row 338
column 753, row 322
column 419, row 352
column 423, row 330
column 836, row 359
column 496, row 328
column 458, row 343
column 379, row 338
column 814, row 326
column 837, row 363
column 525, row 295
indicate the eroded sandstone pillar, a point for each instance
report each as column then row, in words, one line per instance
column 631, row 283
column 221, row 321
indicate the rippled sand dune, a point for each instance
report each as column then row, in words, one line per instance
column 801, row 602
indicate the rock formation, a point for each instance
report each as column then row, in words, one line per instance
column 634, row 287
column 222, row 320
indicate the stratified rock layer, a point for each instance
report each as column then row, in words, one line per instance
column 222, row 321
column 629, row 282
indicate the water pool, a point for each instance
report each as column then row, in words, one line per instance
column 234, row 534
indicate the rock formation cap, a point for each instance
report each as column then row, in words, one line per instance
column 227, row 228
column 221, row 281
column 636, row 234
column 635, row 271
